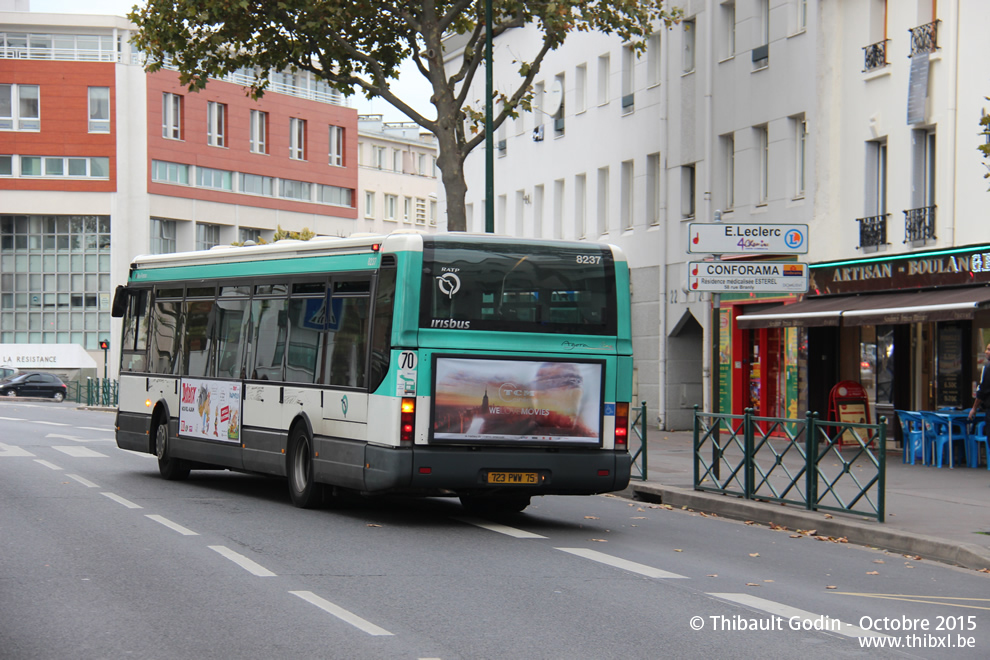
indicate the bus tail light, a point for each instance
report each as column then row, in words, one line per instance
column 621, row 426
column 407, row 421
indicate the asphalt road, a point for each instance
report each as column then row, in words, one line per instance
column 100, row 558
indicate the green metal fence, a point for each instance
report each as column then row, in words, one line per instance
column 639, row 463
column 95, row 392
column 821, row 466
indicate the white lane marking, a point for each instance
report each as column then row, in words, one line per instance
column 80, row 452
column 248, row 565
column 778, row 609
column 341, row 613
column 12, row 419
column 52, row 423
column 94, row 428
column 171, row 525
column 50, row 466
column 120, row 500
column 85, row 482
column 8, row 451
column 624, row 564
column 66, row 437
column 495, row 527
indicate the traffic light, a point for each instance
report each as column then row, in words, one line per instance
column 104, row 344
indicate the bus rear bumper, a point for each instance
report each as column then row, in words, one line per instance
column 466, row 470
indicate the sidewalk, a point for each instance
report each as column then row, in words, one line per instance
column 936, row 513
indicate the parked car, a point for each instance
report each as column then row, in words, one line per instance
column 7, row 372
column 34, row 383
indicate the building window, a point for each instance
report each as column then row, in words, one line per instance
column 337, row 146
column 602, row 210
column 800, row 155
column 172, row 116
column 6, row 165
column 391, row 204
column 162, row 236
column 207, row 236
column 604, row 72
column 255, row 184
column 876, row 178
column 99, row 109
column 165, row 172
column 299, row 190
column 421, row 164
column 729, row 160
column 762, row 164
column 653, row 174
column 20, row 108
column 297, row 138
column 407, row 209
column 689, row 45
column 216, row 124
column 420, row 211
column 627, row 202
column 580, row 204
column 580, row 88
column 207, row 177
column 729, row 29
column 259, row 132
column 334, row 195
column 396, row 160
column 433, row 213
column 379, row 157
column 653, row 70
column 802, row 15
column 253, row 235
column 628, row 78
column 369, row 204
column 688, row 190
column 60, row 166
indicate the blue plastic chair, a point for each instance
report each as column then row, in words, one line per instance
column 912, row 431
column 937, row 436
column 974, row 440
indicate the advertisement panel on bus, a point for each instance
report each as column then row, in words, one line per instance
column 210, row 409
column 519, row 401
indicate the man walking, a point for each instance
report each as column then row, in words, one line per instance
column 983, row 391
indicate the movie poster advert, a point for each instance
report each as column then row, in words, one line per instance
column 520, row 401
column 210, row 409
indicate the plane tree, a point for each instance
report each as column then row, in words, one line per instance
column 357, row 46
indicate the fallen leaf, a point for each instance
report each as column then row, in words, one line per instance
column 768, row 580
column 778, row 528
column 373, row 525
column 985, row 570
column 703, row 514
column 640, row 510
column 716, row 574
column 879, row 561
column 750, row 522
column 600, row 540
column 796, row 536
column 713, row 515
column 828, row 516
column 873, row 572
column 831, row 587
column 638, row 518
column 591, row 517
column 752, row 584
column 678, row 550
column 754, row 554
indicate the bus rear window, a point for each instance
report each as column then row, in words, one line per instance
column 518, row 287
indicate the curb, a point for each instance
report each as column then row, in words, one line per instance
column 868, row 533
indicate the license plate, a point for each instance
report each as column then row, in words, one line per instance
column 514, row 478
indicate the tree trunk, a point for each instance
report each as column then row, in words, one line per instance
column 450, row 160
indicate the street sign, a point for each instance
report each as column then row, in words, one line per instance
column 748, row 238
column 746, row 276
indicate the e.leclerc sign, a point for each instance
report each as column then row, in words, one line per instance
column 745, row 276
column 750, row 238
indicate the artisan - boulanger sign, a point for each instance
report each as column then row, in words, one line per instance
column 959, row 267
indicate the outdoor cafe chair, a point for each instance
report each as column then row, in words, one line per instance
column 937, row 435
column 975, row 439
column 912, row 432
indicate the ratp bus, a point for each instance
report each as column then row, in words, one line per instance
column 488, row 368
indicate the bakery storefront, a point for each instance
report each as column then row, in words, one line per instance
column 910, row 329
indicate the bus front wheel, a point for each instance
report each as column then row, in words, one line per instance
column 305, row 492
column 172, row 469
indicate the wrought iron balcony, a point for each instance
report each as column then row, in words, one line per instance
column 919, row 224
column 872, row 232
column 875, row 55
column 924, row 38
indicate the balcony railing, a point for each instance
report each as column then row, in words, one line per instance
column 924, row 38
column 872, row 232
column 919, row 224
column 875, row 55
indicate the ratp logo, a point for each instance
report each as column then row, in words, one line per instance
column 343, row 404
column 449, row 284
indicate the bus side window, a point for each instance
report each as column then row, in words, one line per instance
column 134, row 342
column 165, row 333
column 270, row 318
column 381, row 330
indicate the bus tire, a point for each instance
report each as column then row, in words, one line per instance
column 171, row 469
column 494, row 504
column 303, row 489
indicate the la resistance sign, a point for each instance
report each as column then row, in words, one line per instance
column 748, row 276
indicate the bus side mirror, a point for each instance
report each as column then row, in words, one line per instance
column 119, row 307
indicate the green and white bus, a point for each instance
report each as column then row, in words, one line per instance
column 488, row 368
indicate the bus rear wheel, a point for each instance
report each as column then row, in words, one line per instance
column 305, row 492
column 489, row 504
column 172, row 469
